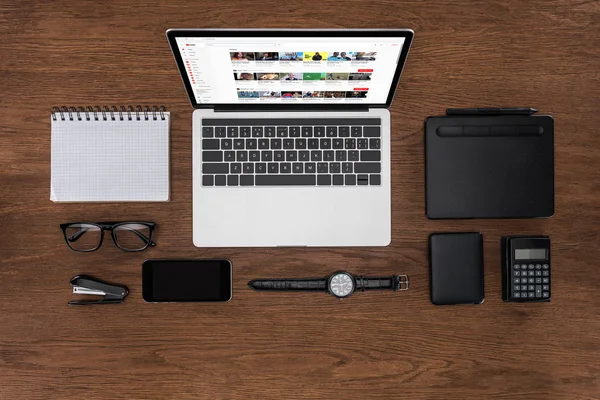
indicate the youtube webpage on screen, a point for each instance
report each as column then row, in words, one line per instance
column 227, row 70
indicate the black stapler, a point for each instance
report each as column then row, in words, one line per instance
column 83, row 284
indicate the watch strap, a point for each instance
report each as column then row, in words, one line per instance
column 394, row 282
column 289, row 284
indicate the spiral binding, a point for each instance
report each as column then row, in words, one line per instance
column 105, row 113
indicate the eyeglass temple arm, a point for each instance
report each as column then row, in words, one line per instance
column 80, row 233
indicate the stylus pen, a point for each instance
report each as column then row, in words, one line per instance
column 491, row 111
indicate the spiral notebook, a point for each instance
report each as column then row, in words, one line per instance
column 102, row 154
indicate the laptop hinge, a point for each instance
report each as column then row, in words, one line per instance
column 297, row 108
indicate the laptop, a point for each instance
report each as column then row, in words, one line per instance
column 291, row 134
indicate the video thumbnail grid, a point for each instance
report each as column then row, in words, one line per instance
column 302, row 76
column 304, row 56
column 299, row 94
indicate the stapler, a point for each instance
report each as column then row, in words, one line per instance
column 83, row 284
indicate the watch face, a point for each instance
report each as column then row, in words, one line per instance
column 341, row 284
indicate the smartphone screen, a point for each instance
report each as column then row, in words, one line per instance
column 186, row 280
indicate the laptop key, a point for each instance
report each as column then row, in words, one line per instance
column 319, row 131
column 362, row 143
column 254, row 155
column 232, row 180
column 210, row 144
column 291, row 180
column 347, row 168
column 241, row 155
column 362, row 179
column 367, row 168
column 316, row 155
column 251, row 144
column 288, row 143
column 236, row 168
column 374, row 143
column 309, row 167
column 232, row 131
column 331, row 131
column 279, row 155
column 263, row 143
column 230, row 156
column 325, row 143
column 298, row 168
column 275, row 144
column 313, row 143
column 282, row 131
column 266, row 155
column 350, row 144
column 238, row 144
column 215, row 168
column 328, row 155
column 370, row 155
column 338, row 180
column 285, row 168
column 371, row 131
column 247, row 180
column 350, row 179
column 375, row 180
column 324, row 180
column 226, row 144
column 303, row 155
column 337, row 143
column 340, row 155
column 208, row 180
column 294, row 131
column 344, row 131
column 334, row 167
column 261, row 168
column 257, row 131
column 207, row 131
column 220, row 180
column 269, row 131
column 291, row 155
column 322, row 168
column 273, row 168
column 212, row 155
column 356, row 131
column 300, row 144
column 248, row 168
column 220, row 131
column 245, row 131
column 307, row 131
column 353, row 155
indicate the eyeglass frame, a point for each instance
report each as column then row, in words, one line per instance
column 110, row 226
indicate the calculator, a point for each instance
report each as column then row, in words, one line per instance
column 526, row 268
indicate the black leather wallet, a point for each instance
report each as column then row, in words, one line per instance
column 456, row 262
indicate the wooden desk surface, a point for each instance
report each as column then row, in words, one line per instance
column 384, row 345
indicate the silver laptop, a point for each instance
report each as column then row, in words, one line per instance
column 291, row 134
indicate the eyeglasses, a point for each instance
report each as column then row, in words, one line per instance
column 127, row 236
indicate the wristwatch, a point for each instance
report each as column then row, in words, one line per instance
column 340, row 284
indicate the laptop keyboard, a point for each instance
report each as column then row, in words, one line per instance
column 291, row 152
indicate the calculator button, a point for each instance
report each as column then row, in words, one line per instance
column 545, row 273
column 538, row 266
column 516, row 266
column 538, row 280
column 531, row 287
column 530, row 280
column 545, row 266
column 545, row 280
column 516, row 280
column 545, row 288
column 530, row 266
column 517, row 295
column 545, row 295
column 516, row 287
column 517, row 273
column 538, row 291
column 531, row 273
column 530, row 295
column 538, row 273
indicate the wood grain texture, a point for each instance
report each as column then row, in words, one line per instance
column 544, row 54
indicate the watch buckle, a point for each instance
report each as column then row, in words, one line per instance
column 403, row 282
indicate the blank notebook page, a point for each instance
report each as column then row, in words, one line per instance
column 106, row 161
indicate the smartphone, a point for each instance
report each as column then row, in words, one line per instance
column 186, row 280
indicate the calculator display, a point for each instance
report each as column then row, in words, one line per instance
column 530, row 254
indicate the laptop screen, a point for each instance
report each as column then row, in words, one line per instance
column 290, row 70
